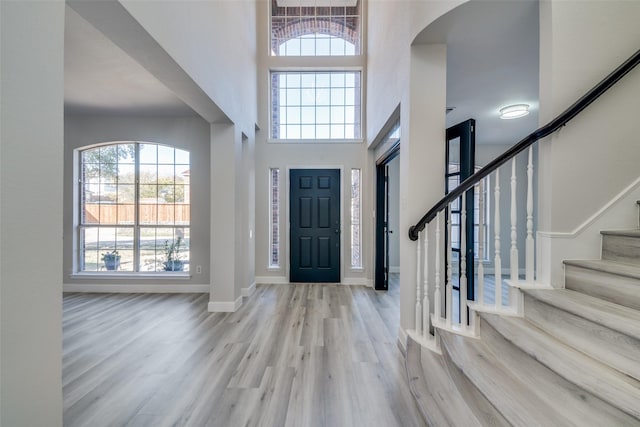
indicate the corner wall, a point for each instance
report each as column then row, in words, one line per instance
column 31, row 168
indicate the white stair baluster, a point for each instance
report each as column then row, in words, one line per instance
column 425, row 285
column 448, row 290
column 514, row 220
column 480, row 295
column 436, row 294
column 463, row 262
column 497, row 262
column 529, row 249
column 418, row 303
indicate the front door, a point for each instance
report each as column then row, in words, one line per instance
column 315, row 225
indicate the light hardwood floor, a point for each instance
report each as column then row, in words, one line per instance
column 293, row 355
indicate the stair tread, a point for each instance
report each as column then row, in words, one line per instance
column 607, row 266
column 517, row 402
column 602, row 381
column 633, row 232
column 614, row 316
column 434, row 390
column 553, row 389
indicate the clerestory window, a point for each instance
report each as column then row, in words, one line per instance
column 134, row 210
column 315, row 27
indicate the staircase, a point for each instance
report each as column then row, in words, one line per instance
column 573, row 359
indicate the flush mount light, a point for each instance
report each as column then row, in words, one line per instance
column 514, row 111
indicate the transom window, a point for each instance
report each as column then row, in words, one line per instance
column 315, row 105
column 315, row 27
column 134, row 212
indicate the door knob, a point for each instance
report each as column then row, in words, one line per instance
column 337, row 231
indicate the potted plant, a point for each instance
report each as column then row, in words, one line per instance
column 111, row 260
column 172, row 254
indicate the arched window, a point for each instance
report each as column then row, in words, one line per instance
column 327, row 28
column 134, row 208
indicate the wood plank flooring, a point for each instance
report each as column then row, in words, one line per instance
column 293, row 355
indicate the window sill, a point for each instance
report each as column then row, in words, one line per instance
column 134, row 276
column 315, row 141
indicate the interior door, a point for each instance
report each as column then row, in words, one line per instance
column 315, row 225
column 460, row 160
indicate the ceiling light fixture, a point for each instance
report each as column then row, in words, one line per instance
column 514, row 111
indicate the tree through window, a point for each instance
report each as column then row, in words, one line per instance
column 134, row 208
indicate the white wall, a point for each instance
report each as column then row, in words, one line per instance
column 31, row 168
column 187, row 133
column 598, row 152
column 215, row 43
column 294, row 155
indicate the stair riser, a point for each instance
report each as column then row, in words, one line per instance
column 607, row 286
column 621, row 248
column 611, row 347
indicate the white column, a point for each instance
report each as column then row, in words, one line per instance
column 497, row 262
column 529, row 248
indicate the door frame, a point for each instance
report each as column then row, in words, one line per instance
column 381, row 255
column 287, row 206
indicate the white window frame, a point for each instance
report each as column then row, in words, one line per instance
column 277, row 205
column 136, row 226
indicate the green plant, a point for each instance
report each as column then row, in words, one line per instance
column 172, row 250
column 172, row 255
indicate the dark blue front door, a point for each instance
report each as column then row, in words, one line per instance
column 315, row 225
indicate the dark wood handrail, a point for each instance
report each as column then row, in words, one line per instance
column 555, row 124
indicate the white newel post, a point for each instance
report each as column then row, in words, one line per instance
column 425, row 284
column 448, row 290
column 480, row 295
column 463, row 262
column 514, row 219
column 436, row 294
column 418, row 303
column 497, row 262
column 529, row 248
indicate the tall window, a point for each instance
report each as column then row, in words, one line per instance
column 134, row 208
column 274, row 220
column 315, row 28
column 356, row 214
column 315, row 105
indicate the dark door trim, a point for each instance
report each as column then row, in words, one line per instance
column 465, row 131
column 381, row 275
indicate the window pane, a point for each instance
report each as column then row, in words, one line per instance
column 356, row 258
column 301, row 29
column 113, row 206
column 274, row 212
column 327, row 98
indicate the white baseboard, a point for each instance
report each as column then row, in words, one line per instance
column 271, row 280
column 152, row 288
column 224, row 306
column 357, row 281
column 249, row 290
column 394, row 269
